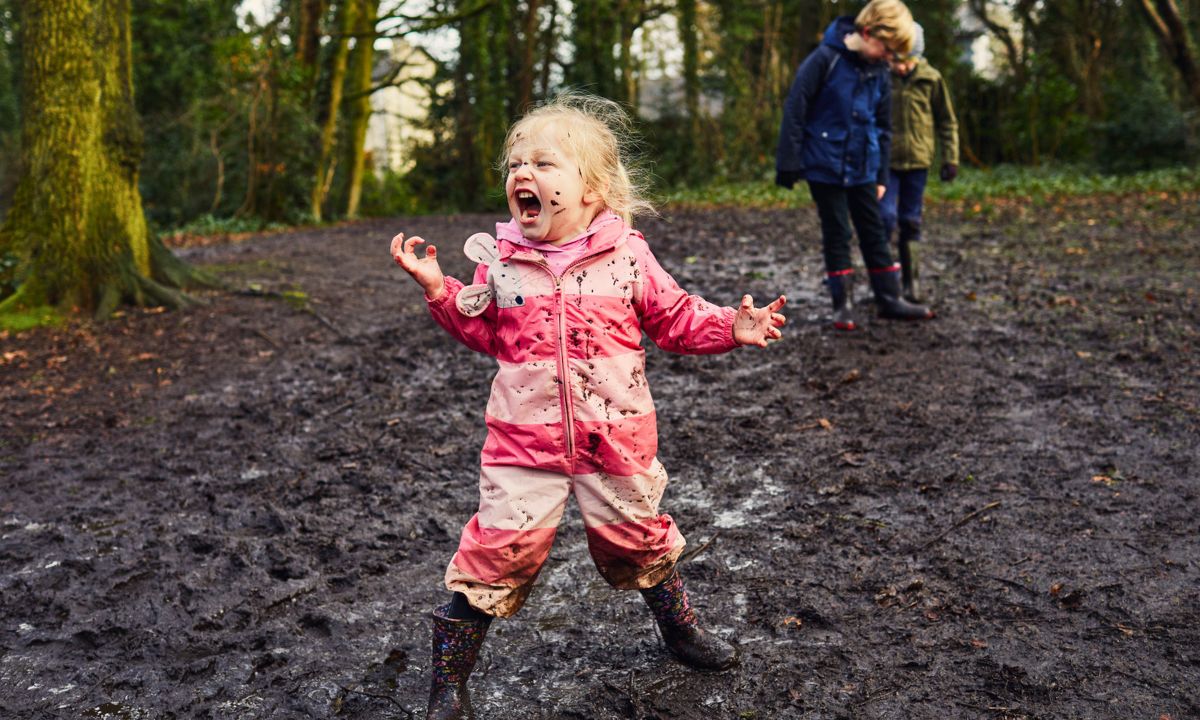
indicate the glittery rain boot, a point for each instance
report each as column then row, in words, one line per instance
column 456, row 646
column 681, row 630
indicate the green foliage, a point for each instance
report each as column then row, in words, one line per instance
column 209, row 225
column 227, row 115
column 1005, row 181
column 389, row 194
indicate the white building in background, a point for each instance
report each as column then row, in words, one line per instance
column 399, row 111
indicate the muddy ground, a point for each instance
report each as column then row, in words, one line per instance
column 244, row 510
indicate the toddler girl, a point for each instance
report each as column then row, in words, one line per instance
column 560, row 298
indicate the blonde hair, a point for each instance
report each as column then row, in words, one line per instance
column 889, row 20
column 600, row 139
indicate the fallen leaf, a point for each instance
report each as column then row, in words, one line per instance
column 792, row 621
column 1083, row 354
column 977, row 643
column 1127, row 630
column 825, row 424
column 1056, row 588
column 852, row 376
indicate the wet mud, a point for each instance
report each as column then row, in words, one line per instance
column 244, row 510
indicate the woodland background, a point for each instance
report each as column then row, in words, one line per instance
column 260, row 118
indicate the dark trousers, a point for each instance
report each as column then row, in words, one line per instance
column 838, row 206
column 904, row 198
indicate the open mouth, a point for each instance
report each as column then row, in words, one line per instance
column 528, row 205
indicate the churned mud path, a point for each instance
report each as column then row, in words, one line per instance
column 244, row 510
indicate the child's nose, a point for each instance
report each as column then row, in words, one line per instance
column 523, row 171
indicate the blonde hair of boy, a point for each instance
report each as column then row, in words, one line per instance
column 889, row 20
column 599, row 135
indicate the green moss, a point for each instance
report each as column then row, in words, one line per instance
column 19, row 320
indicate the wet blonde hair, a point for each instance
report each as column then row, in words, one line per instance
column 599, row 135
column 891, row 21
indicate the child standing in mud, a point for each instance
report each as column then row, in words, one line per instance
column 922, row 115
column 560, row 298
column 835, row 134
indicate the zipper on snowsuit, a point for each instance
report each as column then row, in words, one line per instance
column 564, row 375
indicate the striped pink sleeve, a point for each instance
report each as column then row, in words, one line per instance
column 674, row 320
column 477, row 333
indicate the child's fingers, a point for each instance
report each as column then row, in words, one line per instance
column 410, row 247
column 747, row 302
column 397, row 244
column 778, row 320
column 779, row 302
column 431, row 252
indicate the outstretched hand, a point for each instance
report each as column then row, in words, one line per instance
column 424, row 270
column 757, row 326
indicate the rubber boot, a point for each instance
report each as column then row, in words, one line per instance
column 681, row 631
column 885, row 282
column 910, row 272
column 841, row 290
column 456, row 646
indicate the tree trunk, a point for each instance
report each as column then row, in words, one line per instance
column 76, row 222
column 691, row 84
column 337, row 82
column 525, row 71
column 1167, row 22
column 358, row 106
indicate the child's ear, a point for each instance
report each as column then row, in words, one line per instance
column 591, row 196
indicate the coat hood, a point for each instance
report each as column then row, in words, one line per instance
column 837, row 30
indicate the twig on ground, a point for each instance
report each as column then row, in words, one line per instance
column 692, row 554
column 962, row 522
column 377, row 696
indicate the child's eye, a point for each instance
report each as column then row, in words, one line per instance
column 545, row 163
column 513, row 165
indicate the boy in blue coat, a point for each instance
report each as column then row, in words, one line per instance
column 836, row 134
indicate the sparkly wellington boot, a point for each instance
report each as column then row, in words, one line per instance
column 681, row 630
column 841, row 290
column 456, row 646
column 885, row 282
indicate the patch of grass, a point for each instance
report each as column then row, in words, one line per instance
column 1004, row 181
column 209, row 225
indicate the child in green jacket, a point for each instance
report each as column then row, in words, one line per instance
column 922, row 116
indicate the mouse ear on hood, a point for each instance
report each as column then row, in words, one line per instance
column 474, row 299
column 482, row 248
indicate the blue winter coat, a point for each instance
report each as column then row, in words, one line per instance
column 837, row 123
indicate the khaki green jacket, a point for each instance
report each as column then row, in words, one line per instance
column 920, row 105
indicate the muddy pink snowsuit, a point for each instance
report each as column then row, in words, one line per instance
column 570, row 410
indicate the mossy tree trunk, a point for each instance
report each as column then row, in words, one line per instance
column 358, row 101
column 76, row 222
column 337, row 84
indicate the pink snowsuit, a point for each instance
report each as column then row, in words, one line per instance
column 570, row 410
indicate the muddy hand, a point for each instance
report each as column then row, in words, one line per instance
column 425, row 270
column 758, row 326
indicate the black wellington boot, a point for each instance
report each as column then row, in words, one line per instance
column 841, row 290
column 681, row 630
column 910, row 270
column 456, row 646
column 885, row 283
